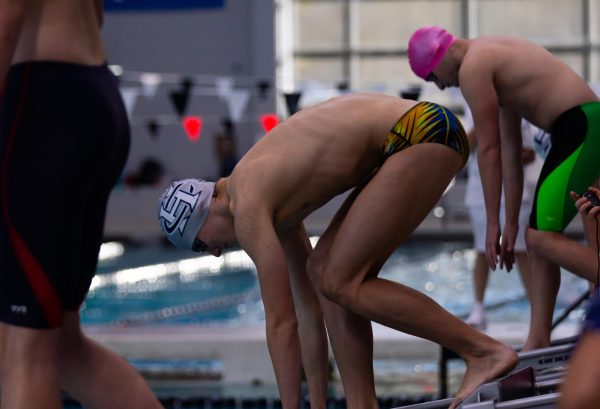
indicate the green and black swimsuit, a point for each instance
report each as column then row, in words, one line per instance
column 573, row 164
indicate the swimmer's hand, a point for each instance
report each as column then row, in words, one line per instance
column 507, row 246
column 492, row 245
column 585, row 206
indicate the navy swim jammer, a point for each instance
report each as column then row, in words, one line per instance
column 64, row 139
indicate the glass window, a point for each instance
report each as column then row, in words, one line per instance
column 595, row 69
column 549, row 22
column 594, row 19
column 384, row 24
column 326, row 71
column 364, row 42
column 318, row 25
column 386, row 74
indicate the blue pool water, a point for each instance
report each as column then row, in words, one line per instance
column 156, row 284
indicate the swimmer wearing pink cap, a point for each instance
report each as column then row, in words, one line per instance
column 426, row 48
column 504, row 80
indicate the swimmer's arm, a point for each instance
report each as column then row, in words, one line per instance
column 483, row 101
column 512, row 178
column 311, row 327
column 256, row 235
column 12, row 15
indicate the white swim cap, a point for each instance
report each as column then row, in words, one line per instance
column 182, row 211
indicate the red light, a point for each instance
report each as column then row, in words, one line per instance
column 193, row 127
column 269, row 121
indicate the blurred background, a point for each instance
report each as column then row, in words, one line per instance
column 200, row 74
column 203, row 80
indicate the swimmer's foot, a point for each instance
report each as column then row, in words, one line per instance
column 483, row 368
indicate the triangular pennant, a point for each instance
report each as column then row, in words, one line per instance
column 263, row 88
column 187, row 84
column 269, row 121
column 227, row 124
column 153, row 127
column 224, row 86
column 180, row 101
column 129, row 95
column 291, row 100
column 181, row 98
column 236, row 103
column 150, row 83
column 193, row 127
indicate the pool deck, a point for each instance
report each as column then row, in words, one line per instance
column 243, row 350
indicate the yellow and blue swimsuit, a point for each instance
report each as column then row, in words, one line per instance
column 427, row 122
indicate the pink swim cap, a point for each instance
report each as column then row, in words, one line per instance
column 426, row 48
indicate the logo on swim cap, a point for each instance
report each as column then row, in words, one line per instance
column 182, row 210
column 426, row 48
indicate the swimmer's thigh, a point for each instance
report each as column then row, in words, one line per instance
column 390, row 207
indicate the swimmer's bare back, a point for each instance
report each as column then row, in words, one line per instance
column 61, row 30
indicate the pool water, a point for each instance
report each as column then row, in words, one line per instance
column 158, row 284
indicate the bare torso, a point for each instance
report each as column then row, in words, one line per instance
column 317, row 154
column 528, row 78
column 61, row 30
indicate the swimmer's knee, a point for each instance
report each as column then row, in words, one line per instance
column 336, row 290
column 328, row 289
column 535, row 239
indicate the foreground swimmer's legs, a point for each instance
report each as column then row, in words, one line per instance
column 385, row 213
column 39, row 362
column 2, row 332
column 97, row 377
column 30, row 378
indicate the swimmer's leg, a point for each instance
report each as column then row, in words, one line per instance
column 30, row 377
column 545, row 282
column 96, row 376
column 548, row 251
column 350, row 335
column 2, row 342
column 383, row 215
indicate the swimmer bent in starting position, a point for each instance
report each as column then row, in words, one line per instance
column 399, row 157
